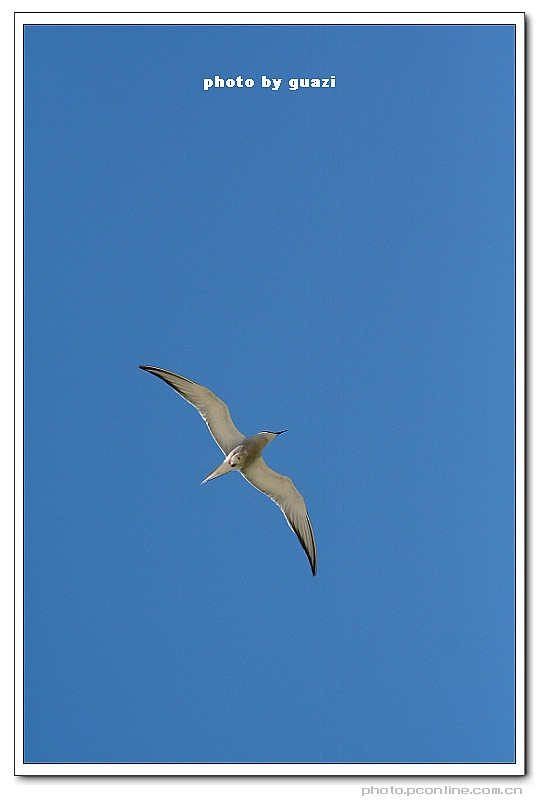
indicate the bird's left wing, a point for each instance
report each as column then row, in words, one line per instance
column 211, row 408
column 282, row 491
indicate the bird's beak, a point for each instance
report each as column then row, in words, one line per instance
column 279, row 432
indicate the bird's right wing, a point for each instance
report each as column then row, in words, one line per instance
column 213, row 411
column 282, row 491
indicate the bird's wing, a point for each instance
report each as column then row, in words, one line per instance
column 213, row 411
column 283, row 492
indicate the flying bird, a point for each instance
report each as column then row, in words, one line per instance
column 244, row 454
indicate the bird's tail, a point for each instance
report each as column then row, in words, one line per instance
column 222, row 469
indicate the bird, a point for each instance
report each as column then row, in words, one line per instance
column 244, row 455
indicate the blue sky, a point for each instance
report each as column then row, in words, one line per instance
column 336, row 262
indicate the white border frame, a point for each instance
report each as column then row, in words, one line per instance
column 290, row 18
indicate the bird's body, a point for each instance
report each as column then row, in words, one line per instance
column 244, row 454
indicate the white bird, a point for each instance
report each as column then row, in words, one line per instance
column 244, row 454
